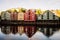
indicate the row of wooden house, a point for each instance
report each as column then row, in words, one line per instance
column 28, row 15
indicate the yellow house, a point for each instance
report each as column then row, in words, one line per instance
column 20, row 14
column 57, row 12
column 38, row 11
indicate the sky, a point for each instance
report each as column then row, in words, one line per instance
column 29, row 4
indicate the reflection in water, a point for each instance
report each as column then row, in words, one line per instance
column 14, row 29
column 5, row 29
column 2, row 35
column 55, row 36
column 7, row 33
column 20, row 30
column 29, row 30
column 24, row 37
column 16, row 37
column 39, row 36
column 11, row 35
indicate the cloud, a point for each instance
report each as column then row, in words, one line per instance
column 42, row 4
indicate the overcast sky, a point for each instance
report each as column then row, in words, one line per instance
column 42, row 4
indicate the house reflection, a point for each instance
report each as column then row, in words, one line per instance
column 6, row 29
column 14, row 29
column 29, row 30
column 20, row 30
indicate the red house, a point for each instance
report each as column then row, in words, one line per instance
column 30, row 16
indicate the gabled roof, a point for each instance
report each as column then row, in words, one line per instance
column 50, row 12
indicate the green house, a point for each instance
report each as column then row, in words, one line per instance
column 5, row 15
column 47, row 15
